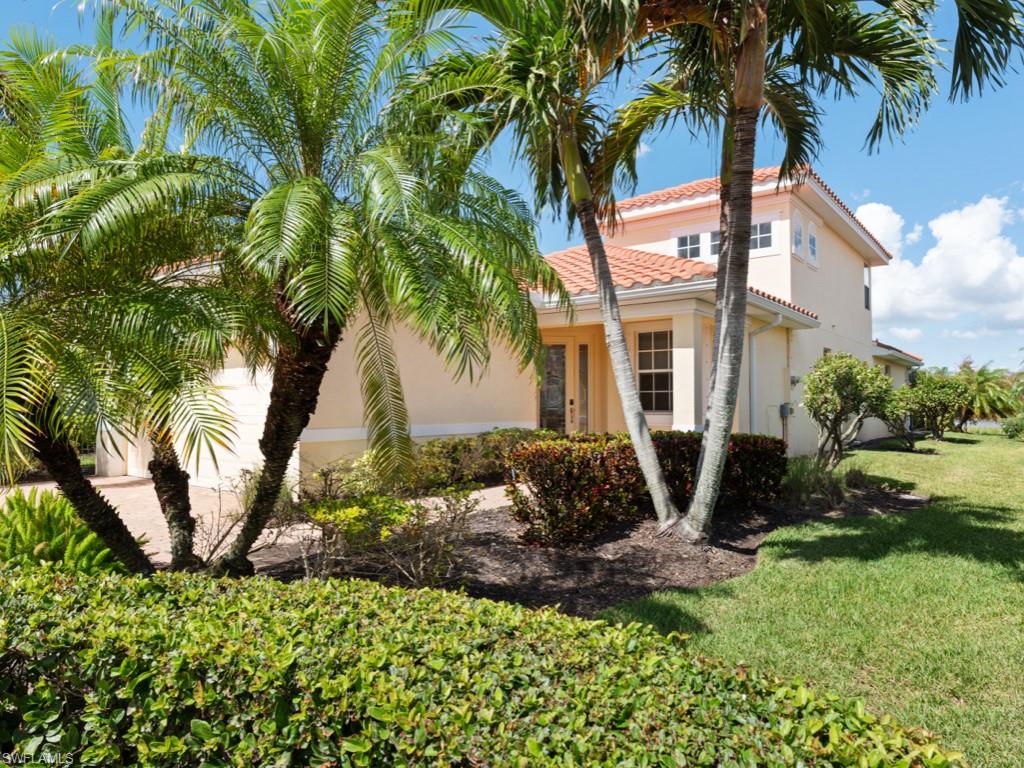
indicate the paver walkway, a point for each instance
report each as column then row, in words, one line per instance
column 136, row 502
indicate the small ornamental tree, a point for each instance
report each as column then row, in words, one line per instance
column 896, row 411
column 839, row 393
column 936, row 399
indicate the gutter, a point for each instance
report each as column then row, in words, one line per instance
column 673, row 289
column 752, row 378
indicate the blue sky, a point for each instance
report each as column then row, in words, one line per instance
column 949, row 200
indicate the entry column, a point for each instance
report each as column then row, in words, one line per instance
column 687, row 373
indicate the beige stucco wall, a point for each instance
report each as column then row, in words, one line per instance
column 438, row 403
column 832, row 286
column 247, row 397
column 658, row 233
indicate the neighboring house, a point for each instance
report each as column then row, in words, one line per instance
column 810, row 293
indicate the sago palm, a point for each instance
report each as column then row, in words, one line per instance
column 730, row 61
column 354, row 220
column 545, row 79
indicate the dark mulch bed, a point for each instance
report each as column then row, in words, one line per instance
column 632, row 562
column 625, row 564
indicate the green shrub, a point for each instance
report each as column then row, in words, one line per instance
column 184, row 670
column 1013, row 428
column 439, row 465
column 384, row 537
column 808, row 479
column 936, row 400
column 476, row 459
column 840, row 392
column 44, row 528
column 574, row 488
column 855, row 478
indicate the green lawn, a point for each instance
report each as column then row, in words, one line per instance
column 921, row 614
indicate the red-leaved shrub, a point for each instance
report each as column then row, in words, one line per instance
column 571, row 489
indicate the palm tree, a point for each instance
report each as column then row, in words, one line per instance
column 991, row 393
column 353, row 219
column 544, row 78
column 729, row 62
column 93, row 336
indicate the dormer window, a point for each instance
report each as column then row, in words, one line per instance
column 798, row 234
column 812, row 243
column 688, row 246
column 761, row 235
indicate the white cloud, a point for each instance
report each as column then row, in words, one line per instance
column 906, row 334
column 643, row 149
column 972, row 268
column 970, row 334
column 887, row 225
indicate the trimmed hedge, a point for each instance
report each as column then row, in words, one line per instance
column 576, row 487
column 472, row 459
column 186, row 670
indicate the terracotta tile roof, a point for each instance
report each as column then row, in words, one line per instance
column 846, row 209
column 783, row 302
column 890, row 347
column 704, row 187
column 699, row 188
column 632, row 268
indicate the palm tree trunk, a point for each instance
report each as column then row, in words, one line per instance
column 722, row 268
column 622, row 369
column 61, row 460
column 170, row 482
column 737, row 178
column 581, row 194
column 735, row 259
column 299, row 371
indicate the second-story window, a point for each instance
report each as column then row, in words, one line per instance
column 867, row 288
column 716, row 242
column 812, row 243
column 688, row 246
column 798, row 234
column 761, row 235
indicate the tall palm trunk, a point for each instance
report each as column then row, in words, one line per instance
column 170, row 482
column 60, row 459
column 615, row 337
column 737, row 183
column 724, row 264
column 299, row 371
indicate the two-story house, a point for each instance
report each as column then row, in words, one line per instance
column 810, row 292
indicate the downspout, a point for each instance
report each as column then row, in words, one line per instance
column 752, row 378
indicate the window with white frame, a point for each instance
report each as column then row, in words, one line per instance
column 761, row 235
column 798, row 233
column 688, row 246
column 867, row 287
column 654, row 370
column 812, row 243
column 716, row 242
